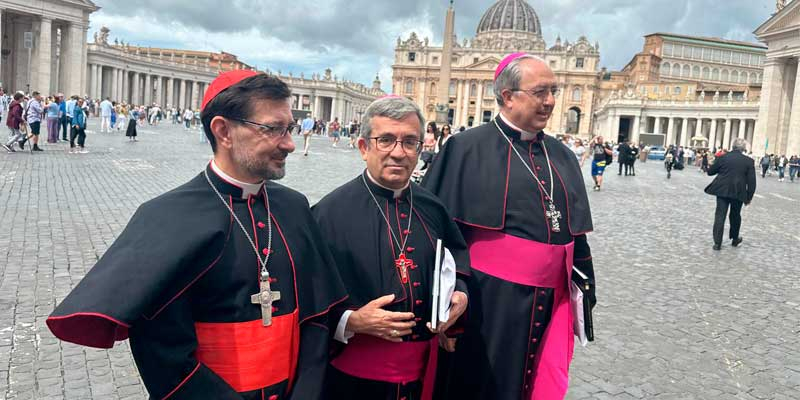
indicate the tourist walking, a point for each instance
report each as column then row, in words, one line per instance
column 334, row 129
column 781, row 164
column 578, row 149
column 69, row 108
column 630, row 166
column 794, row 167
column 33, row 116
column 704, row 162
column 623, row 152
column 308, row 129
column 78, row 129
column 53, row 113
column 122, row 116
column 63, row 120
column 765, row 161
column 13, row 122
column 188, row 115
column 600, row 154
column 106, row 108
column 130, row 132
column 734, row 185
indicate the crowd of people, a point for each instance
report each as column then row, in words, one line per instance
column 65, row 119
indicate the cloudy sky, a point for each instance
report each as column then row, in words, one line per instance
column 356, row 38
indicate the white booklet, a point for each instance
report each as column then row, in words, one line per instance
column 444, row 284
column 578, row 321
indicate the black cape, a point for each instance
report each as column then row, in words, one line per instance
column 183, row 260
column 485, row 185
column 360, row 242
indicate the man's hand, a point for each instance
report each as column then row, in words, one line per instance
column 458, row 304
column 447, row 343
column 372, row 319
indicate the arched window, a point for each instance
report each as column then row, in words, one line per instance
column 706, row 73
column 695, row 72
column 409, row 87
column 665, row 69
column 576, row 94
column 752, row 78
column 743, row 77
column 573, row 120
column 473, row 90
column 676, row 70
column 686, row 71
column 724, row 77
column 759, row 78
column 715, row 75
column 433, row 88
column 735, row 76
column 488, row 89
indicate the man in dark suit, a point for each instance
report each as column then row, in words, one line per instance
column 624, row 152
column 735, row 184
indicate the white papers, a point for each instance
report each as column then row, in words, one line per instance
column 444, row 284
column 576, row 302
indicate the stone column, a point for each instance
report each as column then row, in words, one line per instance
column 792, row 136
column 670, row 131
column 148, row 89
column 614, row 128
column 420, row 97
column 479, row 105
column 93, row 82
column 317, row 106
column 182, row 95
column 334, row 108
column 75, row 66
column 726, row 134
column 465, row 104
column 742, row 126
column 171, row 92
column 8, row 85
column 194, row 103
column 114, row 82
column 684, row 131
column 712, row 135
column 457, row 105
column 637, row 121
column 768, row 124
column 159, row 91
column 42, row 61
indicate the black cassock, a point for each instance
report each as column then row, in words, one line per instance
column 486, row 188
column 178, row 283
column 361, row 244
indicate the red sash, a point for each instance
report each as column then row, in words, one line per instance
column 248, row 355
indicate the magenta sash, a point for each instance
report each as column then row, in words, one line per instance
column 530, row 263
column 369, row 357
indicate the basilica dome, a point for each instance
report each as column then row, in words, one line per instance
column 510, row 15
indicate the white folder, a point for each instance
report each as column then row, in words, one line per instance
column 444, row 284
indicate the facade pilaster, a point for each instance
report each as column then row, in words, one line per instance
column 712, row 136
column 792, row 136
column 148, row 89
column 182, row 95
column 768, row 123
column 670, row 131
column 171, row 92
column 42, row 57
column 479, row 105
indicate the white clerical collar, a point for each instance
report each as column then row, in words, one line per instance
column 524, row 135
column 397, row 192
column 248, row 189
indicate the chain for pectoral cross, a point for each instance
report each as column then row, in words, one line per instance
column 552, row 213
column 402, row 263
column 265, row 295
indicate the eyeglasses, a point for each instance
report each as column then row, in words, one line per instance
column 269, row 130
column 540, row 93
column 388, row 143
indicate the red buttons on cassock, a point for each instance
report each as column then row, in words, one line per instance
column 418, row 302
column 537, row 324
column 543, row 182
column 414, row 266
column 403, row 215
column 531, row 356
column 417, row 319
column 274, row 309
column 540, row 308
column 410, row 249
column 272, row 280
column 265, row 251
column 534, row 340
column 538, row 168
column 406, row 231
column 416, row 284
column 530, row 372
column 414, row 336
column 261, row 225
column 273, row 397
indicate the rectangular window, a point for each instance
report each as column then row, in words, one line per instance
column 475, row 60
column 745, row 59
column 412, row 56
column 736, row 58
column 706, row 54
column 579, row 62
column 697, row 53
column 717, row 55
column 667, row 50
column 726, row 57
column 677, row 51
column 552, row 64
column 409, row 87
column 677, row 90
column 435, row 60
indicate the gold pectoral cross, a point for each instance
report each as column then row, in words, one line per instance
column 553, row 215
column 265, row 297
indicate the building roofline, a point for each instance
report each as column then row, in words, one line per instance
column 700, row 39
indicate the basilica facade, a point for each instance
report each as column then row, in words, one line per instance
column 508, row 26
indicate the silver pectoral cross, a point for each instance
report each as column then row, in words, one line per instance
column 553, row 215
column 265, row 298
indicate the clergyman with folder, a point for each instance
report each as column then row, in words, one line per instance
column 520, row 201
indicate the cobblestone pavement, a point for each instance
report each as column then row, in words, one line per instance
column 675, row 320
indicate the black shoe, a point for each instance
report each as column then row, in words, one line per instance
column 736, row 242
column 717, row 247
column 21, row 144
column 36, row 148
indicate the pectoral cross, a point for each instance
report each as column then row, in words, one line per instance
column 265, row 298
column 553, row 215
column 402, row 265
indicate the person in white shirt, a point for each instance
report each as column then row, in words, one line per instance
column 105, row 115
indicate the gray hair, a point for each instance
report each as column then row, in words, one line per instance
column 510, row 76
column 393, row 107
column 740, row 144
